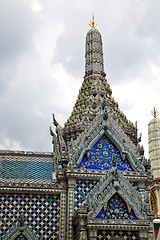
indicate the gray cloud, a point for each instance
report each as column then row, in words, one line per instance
column 17, row 25
column 42, row 60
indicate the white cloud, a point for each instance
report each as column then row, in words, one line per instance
column 35, row 6
column 11, row 145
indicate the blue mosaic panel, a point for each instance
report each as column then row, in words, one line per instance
column 127, row 235
column 26, row 170
column 116, row 209
column 41, row 213
column 21, row 237
column 82, row 185
column 101, row 155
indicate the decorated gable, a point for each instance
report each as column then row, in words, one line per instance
column 116, row 209
column 21, row 237
column 101, row 155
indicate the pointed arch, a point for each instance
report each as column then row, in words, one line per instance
column 116, row 208
column 153, row 199
column 20, row 237
column 114, row 183
column 17, row 231
column 99, row 155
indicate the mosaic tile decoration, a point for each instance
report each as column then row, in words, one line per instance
column 63, row 214
column 116, row 209
column 23, row 167
column 101, row 156
column 70, row 213
column 21, row 237
column 134, row 184
column 127, row 235
column 85, row 186
column 41, row 213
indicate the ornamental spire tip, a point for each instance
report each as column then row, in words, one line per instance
column 92, row 23
column 154, row 113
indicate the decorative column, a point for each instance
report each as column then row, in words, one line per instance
column 71, row 186
column 63, row 215
column 82, row 214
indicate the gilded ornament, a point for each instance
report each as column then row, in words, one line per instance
column 155, row 113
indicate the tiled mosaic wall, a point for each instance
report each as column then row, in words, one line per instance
column 135, row 184
column 41, row 213
column 82, row 185
column 26, row 167
column 101, row 156
column 127, row 235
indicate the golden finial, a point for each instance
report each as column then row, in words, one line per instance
column 92, row 23
column 154, row 113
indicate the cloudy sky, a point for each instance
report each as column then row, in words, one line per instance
column 42, row 63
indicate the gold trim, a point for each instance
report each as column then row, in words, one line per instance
column 92, row 23
column 155, row 113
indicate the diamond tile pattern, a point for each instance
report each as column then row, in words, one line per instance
column 101, row 156
column 134, row 184
column 127, row 235
column 26, row 167
column 41, row 213
column 85, row 186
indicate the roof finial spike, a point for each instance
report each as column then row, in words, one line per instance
column 92, row 23
column 154, row 113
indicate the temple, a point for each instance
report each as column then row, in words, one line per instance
column 94, row 185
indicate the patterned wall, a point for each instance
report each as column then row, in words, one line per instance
column 135, row 184
column 101, row 156
column 82, row 185
column 116, row 209
column 127, row 235
column 26, row 167
column 41, row 213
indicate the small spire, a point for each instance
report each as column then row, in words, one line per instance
column 154, row 113
column 92, row 23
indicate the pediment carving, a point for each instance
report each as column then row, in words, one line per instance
column 17, row 230
column 81, row 147
column 114, row 183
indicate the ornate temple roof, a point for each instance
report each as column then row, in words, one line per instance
column 94, row 91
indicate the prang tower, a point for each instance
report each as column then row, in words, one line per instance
column 154, row 155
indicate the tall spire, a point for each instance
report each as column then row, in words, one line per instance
column 94, row 91
column 155, row 113
column 94, row 52
column 92, row 23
